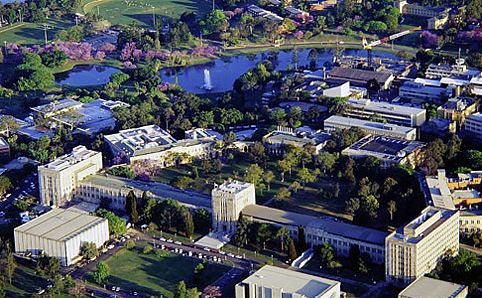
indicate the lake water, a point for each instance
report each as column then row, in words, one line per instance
column 224, row 71
column 86, row 75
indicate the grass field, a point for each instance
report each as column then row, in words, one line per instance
column 141, row 11
column 154, row 275
column 31, row 33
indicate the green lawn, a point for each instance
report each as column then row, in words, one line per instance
column 127, row 11
column 154, row 275
column 31, row 33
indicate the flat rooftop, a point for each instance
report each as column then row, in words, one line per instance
column 424, row 287
column 384, row 147
column 233, row 186
column 328, row 224
column 475, row 117
column 439, row 192
column 359, row 75
column 78, row 154
column 290, row 281
column 60, row 224
column 159, row 190
column 354, row 122
column 145, row 137
column 384, row 107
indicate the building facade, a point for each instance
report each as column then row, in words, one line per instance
column 228, row 201
column 59, row 178
column 473, row 125
column 60, row 233
column 457, row 109
column 419, row 93
column 416, row 248
column 431, row 287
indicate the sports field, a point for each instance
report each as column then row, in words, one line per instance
column 141, row 11
column 31, row 33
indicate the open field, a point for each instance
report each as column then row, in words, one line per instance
column 31, row 33
column 149, row 273
column 126, row 12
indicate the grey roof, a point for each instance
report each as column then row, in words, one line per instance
column 354, row 122
column 160, row 190
column 328, row 224
column 426, row 287
column 60, row 224
column 359, row 75
column 305, row 285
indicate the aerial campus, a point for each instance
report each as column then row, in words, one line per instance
column 241, row 148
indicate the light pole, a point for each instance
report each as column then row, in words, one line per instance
column 5, row 43
column 153, row 18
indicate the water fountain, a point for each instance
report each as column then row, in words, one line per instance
column 207, row 80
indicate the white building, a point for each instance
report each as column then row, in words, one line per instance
column 476, row 85
column 422, row 91
column 430, row 287
column 271, row 281
column 228, row 200
column 153, row 143
column 396, row 114
column 473, row 125
column 458, row 71
column 333, row 123
column 59, row 178
column 416, row 248
column 277, row 140
column 60, row 233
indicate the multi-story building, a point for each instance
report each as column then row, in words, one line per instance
column 271, row 281
column 475, row 86
column 60, row 233
column 419, row 10
column 59, row 178
column 457, row 109
column 278, row 139
column 473, row 125
column 431, row 287
column 375, row 128
column 153, row 143
column 457, row 74
column 415, row 248
column 391, row 113
column 228, row 201
column 419, row 92
column 389, row 151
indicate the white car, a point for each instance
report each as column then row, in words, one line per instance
column 178, row 242
column 110, row 246
column 230, row 255
column 162, row 239
column 169, row 240
column 8, row 195
column 206, row 249
column 238, row 257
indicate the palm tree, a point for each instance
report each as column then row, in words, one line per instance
column 283, row 236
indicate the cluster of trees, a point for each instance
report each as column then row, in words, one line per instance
column 168, row 214
column 182, row 291
column 7, row 265
column 264, row 236
column 33, row 74
column 372, row 16
column 356, row 261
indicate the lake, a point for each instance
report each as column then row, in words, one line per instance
column 86, row 75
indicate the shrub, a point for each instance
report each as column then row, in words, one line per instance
column 130, row 244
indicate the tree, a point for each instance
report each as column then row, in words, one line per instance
column 186, row 222
column 117, row 225
column 242, row 229
column 5, row 185
column 253, row 174
column 301, row 238
column 181, row 290
column 263, row 235
column 391, row 208
column 8, row 123
column 8, row 266
column 283, row 166
column 89, row 250
column 283, row 236
column 257, row 152
column 268, row 177
column 147, row 249
column 212, row 292
column 48, row 265
column 463, row 265
column 214, row 22
column 130, row 244
column 327, row 161
column 131, row 207
column 292, row 254
column 328, row 256
column 306, row 176
column 102, row 273
column 193, row 293
column 282, row 194
column 295, row 186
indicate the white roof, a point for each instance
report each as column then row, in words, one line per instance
column 289, row 281
column 428, row 82
column 78, row 154
column 384, row 107
column 425, row 287
column 439, row 192
column 377, row 126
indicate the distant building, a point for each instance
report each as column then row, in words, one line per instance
column 87, row 118
column 457, row 109
column 271, row 281
column 419, row 92
column 438, row 22
column 473, row 125
column 424, row 287
column 436, row 16
column 277, row 140
column 389, row 151
column 293, row 11
column 415, row 248
column 360, row 77
column 228, row 200
column 391, row 113
column 476, row 85
column 375, row 128
column 153, row 143
column 59, row 178
column 345, row 90
column 257, row 11
column 201, row 133
column 60, row 233
column 457, row 74
column 4, row 150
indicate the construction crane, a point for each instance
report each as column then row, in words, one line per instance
column 368, row 46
